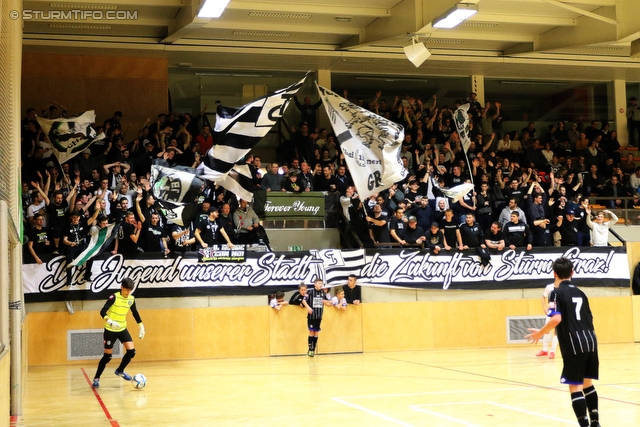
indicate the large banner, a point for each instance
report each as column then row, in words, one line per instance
column 264, row 273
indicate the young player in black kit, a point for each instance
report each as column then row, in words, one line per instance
column 571, row 316
column 314, row 301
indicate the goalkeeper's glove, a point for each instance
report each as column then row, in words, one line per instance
column 113, row 323
column 141, row 331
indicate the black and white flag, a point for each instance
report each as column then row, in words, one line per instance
column 175, row 190
column 239, row 130
column 461, row 119
column 370, row 143
column 69, row 136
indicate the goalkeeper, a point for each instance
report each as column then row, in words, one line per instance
column 114, row 314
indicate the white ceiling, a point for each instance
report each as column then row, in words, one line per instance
column 525, row 39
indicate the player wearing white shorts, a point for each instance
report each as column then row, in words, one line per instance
column 551, row 336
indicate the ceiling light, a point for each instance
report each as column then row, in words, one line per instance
column 454, row 16
column 416, row 52
column 212, row 8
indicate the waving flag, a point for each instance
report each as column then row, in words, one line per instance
column 239, row 130
column 461, row 119
column 70, row 136
column 100, row 240
column 456, row 193
column 175, row 189
column 370, row 143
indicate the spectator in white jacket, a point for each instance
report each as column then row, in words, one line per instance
column 599, row 227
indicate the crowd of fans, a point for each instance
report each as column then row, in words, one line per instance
column 531, row 188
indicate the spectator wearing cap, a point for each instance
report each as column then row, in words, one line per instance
column 208, row 231
column 413, row 233
column 113, row 123
column 568, row 228
column 85, row 163
column 292, row 184
column 435, row 238
column 397, row 226
column 633, row 120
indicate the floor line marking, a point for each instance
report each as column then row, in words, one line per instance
column 538, row 414
column 504, row 379
column 374, row 413
column 113, row 422
column 374, row 396
column 446, row 417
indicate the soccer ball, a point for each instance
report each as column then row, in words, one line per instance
column 139, row 381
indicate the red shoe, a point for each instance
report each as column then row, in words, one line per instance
column 552, row 355
column 542, row 353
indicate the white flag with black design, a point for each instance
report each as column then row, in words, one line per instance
column 175, row 190
column 239, row 130
column 461, row 119
column 69, row 136
column 370, row 143
column 456, row 193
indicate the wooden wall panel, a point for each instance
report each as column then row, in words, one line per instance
column 397, row 326
column 169, row 334
column 613, row 319
column 231, row 332
column 288, row 331
column 636, row 318
column 5, row 386
column 195, row 333
column 51, row 66
column 136, row 86
column 128, row 67
column 341, row 330
column 474, row 323
column 38, row 92
column 137, row 99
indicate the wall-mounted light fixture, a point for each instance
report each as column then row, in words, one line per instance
column 416, row 52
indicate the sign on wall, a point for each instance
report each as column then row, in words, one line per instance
column 261, row 273
column 294, row 206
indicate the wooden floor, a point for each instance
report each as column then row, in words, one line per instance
column 484, row 387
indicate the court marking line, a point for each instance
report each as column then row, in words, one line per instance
column 512, row 408
column 538, row 414
column 375, row 396
column 504, row 379
column 443, row 416
column 113, row 422
column 370, row 412
column 625, row 388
